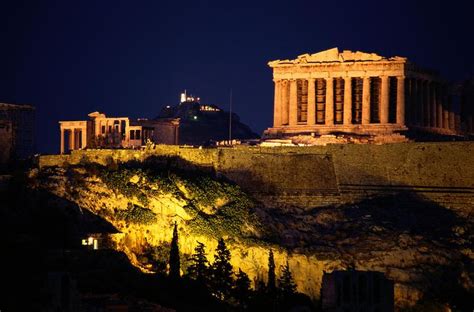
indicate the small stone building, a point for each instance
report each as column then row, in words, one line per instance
column 358, row 93
column 101, row 131
column 355, row 291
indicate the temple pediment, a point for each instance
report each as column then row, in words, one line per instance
column 333, row 55
column 96, row 115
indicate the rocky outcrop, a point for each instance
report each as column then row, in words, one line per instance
column 413, row 240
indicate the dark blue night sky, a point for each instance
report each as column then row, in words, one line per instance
column 129, row 58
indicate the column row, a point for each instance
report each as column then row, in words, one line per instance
column 333, row 101
column 76, row 138
column 429, row 104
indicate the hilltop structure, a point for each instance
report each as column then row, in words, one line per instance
column 361, row 94
column 201, row 123
column 116, row 132
column 16, row 132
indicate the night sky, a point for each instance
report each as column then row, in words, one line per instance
column 130, row 58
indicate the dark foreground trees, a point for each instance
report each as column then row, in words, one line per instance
column 175, row 265
column 199, row 268
column 235, row 290
column 222, row 272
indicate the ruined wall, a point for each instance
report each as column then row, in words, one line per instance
column 321, row 175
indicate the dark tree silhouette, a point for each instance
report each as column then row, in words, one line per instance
column 242, row 288
column 222, row 280
column 199, row 268
column 174, row 255
column 286, row 284
column 271, row 286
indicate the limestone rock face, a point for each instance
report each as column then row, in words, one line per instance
column 414, row 242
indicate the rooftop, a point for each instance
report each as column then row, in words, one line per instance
column 333, row 55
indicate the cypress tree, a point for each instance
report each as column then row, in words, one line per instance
column 222, row 271
column 199, row 268
column 174, row 255
column 271, row 286
column 285, row 282
column 242, row 288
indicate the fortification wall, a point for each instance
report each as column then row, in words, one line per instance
column 317, row 176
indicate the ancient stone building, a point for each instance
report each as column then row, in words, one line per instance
column 358, row 93
column 16, row 132
column 116, row 132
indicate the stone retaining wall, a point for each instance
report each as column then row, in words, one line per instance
column 321, row 175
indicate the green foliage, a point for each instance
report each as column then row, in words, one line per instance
column 286, row 284
column 199, row 268
column 271, row 272
column 221, row 269
column 119, row 181
column 233, row 219
column 135, row 214
column 174, row 255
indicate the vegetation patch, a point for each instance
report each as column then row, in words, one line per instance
column 136, row 215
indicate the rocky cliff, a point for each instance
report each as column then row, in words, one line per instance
column 413, row 239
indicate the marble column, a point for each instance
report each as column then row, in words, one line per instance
column 440, row 97
column 277, row 104
column 384, row 99
column 311, row 102
column 347, row 101
column 285, row 105
column 420, row 103
column 61, row 147
column 439, row 114
column 414, row 102
column 434, row 107
column 84, row 137
column 72, row 139
column 407, row 88
column 366, row 100
column 449, row 100
column 293, row 116
column 457, row 122
column 77, row 138
column 401, row 100
column 427, row 104
column 329, row 101
column 434, row 99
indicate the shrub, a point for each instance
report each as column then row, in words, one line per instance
column 137, row 215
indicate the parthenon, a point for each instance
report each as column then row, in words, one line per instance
column 358, row 93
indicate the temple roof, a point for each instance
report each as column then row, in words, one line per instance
column 333, row 55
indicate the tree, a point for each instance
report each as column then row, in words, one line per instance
column 271, row 286
column 222, row 271
column 174, row 255
column 285, row 282
column 199, row 268
column 242, row 288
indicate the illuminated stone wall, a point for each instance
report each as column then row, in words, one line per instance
column 321, row 175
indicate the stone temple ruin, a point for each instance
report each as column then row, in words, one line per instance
column 362, row 94
column 116, row 132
